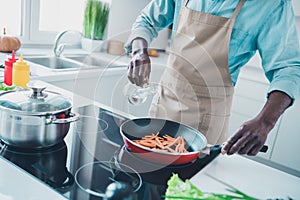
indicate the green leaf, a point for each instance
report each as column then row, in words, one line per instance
column 179, row 189
column 5, row 87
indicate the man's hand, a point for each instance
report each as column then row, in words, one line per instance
column 251, row 136
column 139, row 67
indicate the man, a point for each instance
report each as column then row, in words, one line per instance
column 211, row 41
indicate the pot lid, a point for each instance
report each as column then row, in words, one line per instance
column 35, row 100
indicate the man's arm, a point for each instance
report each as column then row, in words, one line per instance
column 251, row 136
column 157, row 15
column 278, row 45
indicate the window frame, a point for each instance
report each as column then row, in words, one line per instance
column 37, row 36
column 30, row 34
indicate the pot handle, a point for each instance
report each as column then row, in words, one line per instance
column 72, row 118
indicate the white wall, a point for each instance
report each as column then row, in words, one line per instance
column 123, row 13
column 296, row 4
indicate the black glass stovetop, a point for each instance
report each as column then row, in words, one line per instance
column 93, row 155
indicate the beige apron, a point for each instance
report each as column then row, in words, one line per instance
column 196, row 88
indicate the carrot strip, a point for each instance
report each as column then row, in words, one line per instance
column 170, row 149
column 169, row 138
column 164, row 143
column 159, row 143
column 147, row 144
column 173, row 142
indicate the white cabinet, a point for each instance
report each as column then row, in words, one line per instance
column 249, row 99
column 64, row 84
column 287, row 146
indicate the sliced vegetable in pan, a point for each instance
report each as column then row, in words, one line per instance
column 165, row 143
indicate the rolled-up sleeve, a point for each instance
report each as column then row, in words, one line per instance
column 157, row 15
column 278, row 45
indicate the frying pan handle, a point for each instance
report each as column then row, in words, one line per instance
column 217, row 148
column 264, row 149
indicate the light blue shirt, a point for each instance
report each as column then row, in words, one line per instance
column 264, row 25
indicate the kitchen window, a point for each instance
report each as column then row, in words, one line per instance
column 10, row 17
column 37, row 22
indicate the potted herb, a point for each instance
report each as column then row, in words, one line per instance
column 94, row 23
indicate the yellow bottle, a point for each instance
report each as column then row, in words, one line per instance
column 21, row 73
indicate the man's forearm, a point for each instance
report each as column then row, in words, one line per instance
column 276, row 104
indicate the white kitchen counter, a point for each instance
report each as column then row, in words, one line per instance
column 250, row 177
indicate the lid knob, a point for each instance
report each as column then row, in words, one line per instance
column 37, row 90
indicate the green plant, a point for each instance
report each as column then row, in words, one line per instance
column 95, row 19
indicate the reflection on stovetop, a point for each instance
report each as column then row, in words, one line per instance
column 92, row 141
column 48, row 164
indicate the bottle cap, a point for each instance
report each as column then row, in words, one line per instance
column 10, row 60
column 20, row 64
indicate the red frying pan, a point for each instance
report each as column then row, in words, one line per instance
column 137, row 128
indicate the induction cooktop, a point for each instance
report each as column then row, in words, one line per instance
column 93, row 156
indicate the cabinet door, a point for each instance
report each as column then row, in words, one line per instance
column 287, row 146
column 65, row 84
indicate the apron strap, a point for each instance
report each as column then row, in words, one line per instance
column 237, row 10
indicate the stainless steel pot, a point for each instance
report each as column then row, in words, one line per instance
column 34, row 118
